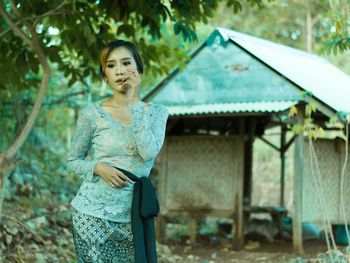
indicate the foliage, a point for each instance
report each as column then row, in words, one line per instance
column 338, row 17
column 292, row 29
column 73, row 35
column 316, row 130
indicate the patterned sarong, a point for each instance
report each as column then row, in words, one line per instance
column 99, row 240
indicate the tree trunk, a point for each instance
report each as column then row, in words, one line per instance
column 8, row 158
column 308, row 27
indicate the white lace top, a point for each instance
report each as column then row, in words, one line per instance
column 132, row 148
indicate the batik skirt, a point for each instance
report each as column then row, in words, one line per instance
column 99, row 240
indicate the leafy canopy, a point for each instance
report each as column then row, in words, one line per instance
column 73, row 34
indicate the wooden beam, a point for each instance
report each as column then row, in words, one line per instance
column 221, row 114
column 170, row 125
column 297, row 184
column 269, row 143
column 223, row 213
column 286, row 147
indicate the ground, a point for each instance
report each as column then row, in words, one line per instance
column 268, row 253
column 42, row 234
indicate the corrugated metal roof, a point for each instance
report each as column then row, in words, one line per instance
column 231, row 72
column 310, row 72
column 231, row 107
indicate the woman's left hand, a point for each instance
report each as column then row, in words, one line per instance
column 134, row 81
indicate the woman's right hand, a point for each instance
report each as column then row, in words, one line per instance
column 111, row 175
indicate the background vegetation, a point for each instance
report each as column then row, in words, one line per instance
column 67, row 35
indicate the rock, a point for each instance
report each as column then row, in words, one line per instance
column 62, row 242
column 64, row 218
column 66, row 232
column 33, row 247
column 31, row 225
column 11, row 228
column 177, row 257
column 62, row 208
column 39, row 258
column 256, row 229
column 9, row 239
column 163, row 250
column 2, row 245
column 252, row 245
column 40, row 222
column 68, row 253
column 187, row 248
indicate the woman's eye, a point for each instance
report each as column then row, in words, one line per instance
column 127, row 63
column 110, row 65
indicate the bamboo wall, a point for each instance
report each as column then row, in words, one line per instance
column 199, row 175
column 330, row 155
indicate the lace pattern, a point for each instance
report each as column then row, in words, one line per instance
column 132, row 148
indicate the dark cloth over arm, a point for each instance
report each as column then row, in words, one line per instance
column 145, row 207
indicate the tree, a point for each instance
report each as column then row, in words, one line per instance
column 37, row 34
column 308, row 25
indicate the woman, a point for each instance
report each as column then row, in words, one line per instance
column 125, row 135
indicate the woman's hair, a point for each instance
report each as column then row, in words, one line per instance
column 120, row 43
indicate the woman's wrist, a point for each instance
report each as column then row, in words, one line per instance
column 97, row 168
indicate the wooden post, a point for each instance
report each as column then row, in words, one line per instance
column 283, row 163
column 237, row 225
column 248, row 160
column 193, row 225
column 297, row 184
column 160, row 228
column 248, row 175
column 161, row 185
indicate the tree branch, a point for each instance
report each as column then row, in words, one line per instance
column 7, row 18
column 49, row 13
column 10, row 27
column 37, row 19
column 52, row 101
column 34, row 43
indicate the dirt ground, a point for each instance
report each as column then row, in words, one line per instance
column 269, row 253
column 220, row 251
column 43, row 235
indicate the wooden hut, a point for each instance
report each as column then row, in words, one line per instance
column 235, row 87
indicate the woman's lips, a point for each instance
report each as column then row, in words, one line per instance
column 121, row 80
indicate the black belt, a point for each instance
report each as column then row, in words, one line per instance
column 144, row 208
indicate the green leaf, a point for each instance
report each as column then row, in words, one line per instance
column 177, row 29
column 128, row 30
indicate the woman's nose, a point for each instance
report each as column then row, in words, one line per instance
column 120, row 70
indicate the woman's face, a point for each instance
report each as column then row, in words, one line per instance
column 120, row 63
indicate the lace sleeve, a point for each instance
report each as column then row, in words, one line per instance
column 81, row 145
column 148, row 131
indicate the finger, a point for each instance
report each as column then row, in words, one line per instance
column 133, row 73
column 117, row 181
column 112, row 184
column 125, row 178
column 120, row 181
